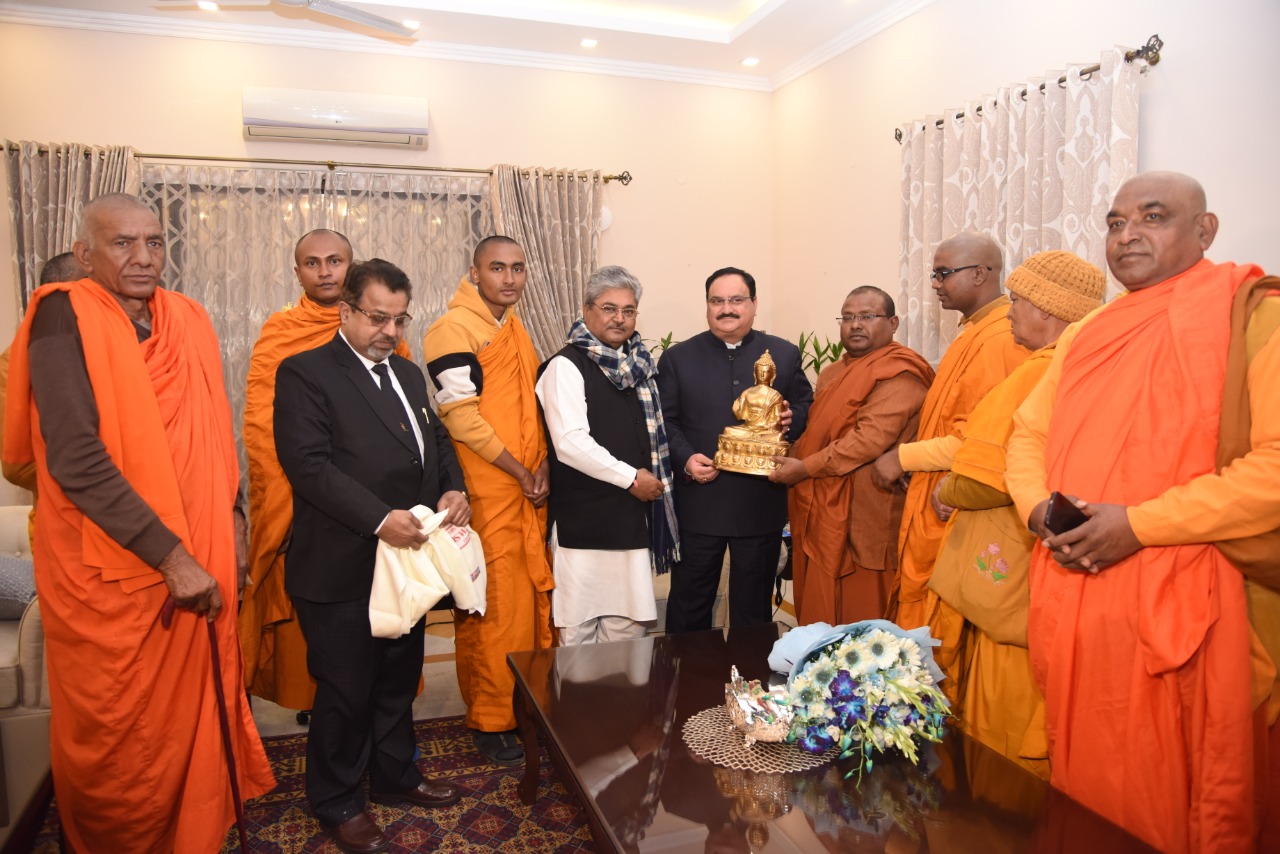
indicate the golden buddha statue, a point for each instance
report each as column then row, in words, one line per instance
column 747, row 447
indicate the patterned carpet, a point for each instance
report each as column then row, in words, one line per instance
column 489, row 817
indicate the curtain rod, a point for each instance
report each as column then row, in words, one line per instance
column 623, row 178
column 1150, row 52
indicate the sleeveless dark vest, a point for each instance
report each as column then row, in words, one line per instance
column 589, row 513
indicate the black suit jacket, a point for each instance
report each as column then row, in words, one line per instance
column 698, row 381
column 350, row 463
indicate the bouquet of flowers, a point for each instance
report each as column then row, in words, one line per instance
column 863, row 687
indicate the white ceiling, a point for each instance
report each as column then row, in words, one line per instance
column 697, row 41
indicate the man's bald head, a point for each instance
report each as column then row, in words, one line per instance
column 61, row 268
column 1157, row 228
column 967, row 272
column 109, row 207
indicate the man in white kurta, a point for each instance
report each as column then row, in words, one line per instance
column 612, row 522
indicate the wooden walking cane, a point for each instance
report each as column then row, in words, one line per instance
column 166, row 619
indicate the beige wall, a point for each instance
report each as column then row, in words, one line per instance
column 700, row 155
column 1208, row 109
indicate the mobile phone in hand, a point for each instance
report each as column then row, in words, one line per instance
column 1062, row 514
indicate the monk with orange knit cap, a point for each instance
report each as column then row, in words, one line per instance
column 1150, row 635
column 966, row 275
column 116, row 394
column 978, row 597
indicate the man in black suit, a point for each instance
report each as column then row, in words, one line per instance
column 360, row 447
column 698, row 381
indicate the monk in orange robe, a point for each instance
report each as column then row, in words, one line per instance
column 275, row 653
column 482, row 361
column 843, row 543
column 1155, row 681
column 966, row 274
column 979, row 581
column 116, row 394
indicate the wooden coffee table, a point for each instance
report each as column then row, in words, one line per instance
column 610, row 717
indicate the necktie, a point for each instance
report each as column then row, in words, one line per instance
column 392, row 405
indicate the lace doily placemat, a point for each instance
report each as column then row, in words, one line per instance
column 712, row 735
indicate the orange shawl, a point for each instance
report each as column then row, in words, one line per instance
column 275, row 653
column 136, row 745
column 821, row 509
column 983, row 355
column 1145, row 667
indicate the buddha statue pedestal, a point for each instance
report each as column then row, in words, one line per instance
column 749, row 455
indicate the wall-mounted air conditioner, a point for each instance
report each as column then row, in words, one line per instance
column 352, row 117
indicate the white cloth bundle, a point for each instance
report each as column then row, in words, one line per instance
column 409, row 582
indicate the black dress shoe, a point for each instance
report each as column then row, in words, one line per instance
column 500, row 748
column 358, row 835
column 429, row 793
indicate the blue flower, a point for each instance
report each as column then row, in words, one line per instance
column 842, row 686
column 816, row 740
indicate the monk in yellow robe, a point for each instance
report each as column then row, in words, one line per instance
column 275, row 653
column 483, row 362
column 981, row 571
column 116, row 395
column 1155, row 680
column 843, row 528
column 966, row 274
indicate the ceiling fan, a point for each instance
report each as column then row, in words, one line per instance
column 333, row 8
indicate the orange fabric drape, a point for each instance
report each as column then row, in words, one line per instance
column 1145, row 667
column 136, row 747
column 275, row 653
column 983, row 355
column 518, row 607
column 825, row 552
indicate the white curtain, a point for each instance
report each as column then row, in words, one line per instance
column 1035, row 171
column 231, row 231
column 48, row 185
column 554, row 214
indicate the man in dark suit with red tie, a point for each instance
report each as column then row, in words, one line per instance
column 360, row 446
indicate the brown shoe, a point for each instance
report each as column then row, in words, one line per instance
column 358, row 835
column 429, row 793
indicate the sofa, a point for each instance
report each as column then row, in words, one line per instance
column 24, row 681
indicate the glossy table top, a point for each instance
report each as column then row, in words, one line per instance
column 615, row 712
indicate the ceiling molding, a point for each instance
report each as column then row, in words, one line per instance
column 849, row 38
column 15, row 13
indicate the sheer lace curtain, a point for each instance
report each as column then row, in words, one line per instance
column 555, row 215
column 1036, row 171
column 231, row 232
column 48, row 185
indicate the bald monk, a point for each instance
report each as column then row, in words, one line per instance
column 482, row 361
column 966, row 275
column 1156, row 685
column 116, row 394
column 275, row 654
column 985, row 545
column 843, row 528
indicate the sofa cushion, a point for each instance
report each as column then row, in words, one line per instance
column 10, row 672
column 17, row 586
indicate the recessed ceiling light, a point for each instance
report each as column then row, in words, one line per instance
column 207, row 5
column 411, row 24
column 589, row 42
column 750, row 62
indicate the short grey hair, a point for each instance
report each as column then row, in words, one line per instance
column 84, row 234
column 608, row 278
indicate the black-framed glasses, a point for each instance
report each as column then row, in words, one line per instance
column 864, row 318
column 626, row 313
column 941, row 273
column 381, row 320
column 716, row 302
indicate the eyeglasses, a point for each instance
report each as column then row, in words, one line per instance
column 381, row 320
column 940, row 274
column 627, row 313
column 716, row 302
column 862, row 318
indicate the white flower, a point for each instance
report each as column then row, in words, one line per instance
column 883, row 648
